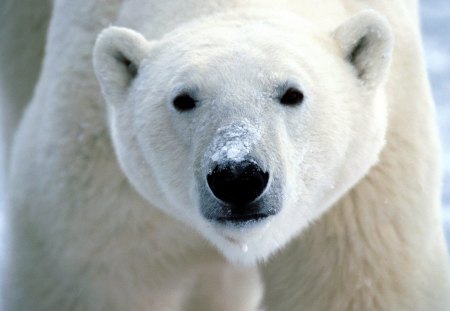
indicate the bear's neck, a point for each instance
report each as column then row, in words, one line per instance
column 380, row 247
column 383, row 241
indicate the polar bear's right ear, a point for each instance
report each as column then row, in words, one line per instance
column 367, row 44
column 118, row 52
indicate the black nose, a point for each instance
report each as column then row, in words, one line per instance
column 237, row 183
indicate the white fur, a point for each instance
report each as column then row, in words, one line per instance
column 105, row 178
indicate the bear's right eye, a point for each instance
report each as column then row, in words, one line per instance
column 184, row 102
column 292, row 97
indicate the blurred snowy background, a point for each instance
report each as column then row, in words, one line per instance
column 435, row 16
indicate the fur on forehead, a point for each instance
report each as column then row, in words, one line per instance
column 236, row 35
column 240, row 27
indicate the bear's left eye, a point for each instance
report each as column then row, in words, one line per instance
column 184, row 102
column 292, row 97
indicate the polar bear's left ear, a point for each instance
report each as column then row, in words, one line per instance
column 367, row 43
column 118, row 53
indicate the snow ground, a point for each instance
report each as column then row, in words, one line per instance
column 436, row 33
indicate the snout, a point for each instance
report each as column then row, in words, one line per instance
column 237, row 184
column 238, row 189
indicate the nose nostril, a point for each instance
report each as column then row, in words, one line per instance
column 238, row 183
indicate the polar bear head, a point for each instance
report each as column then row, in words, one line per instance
column 247, row 127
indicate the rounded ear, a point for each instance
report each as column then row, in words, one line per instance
column 367, row 42
column 118, row 52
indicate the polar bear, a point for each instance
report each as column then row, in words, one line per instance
column 228, row 156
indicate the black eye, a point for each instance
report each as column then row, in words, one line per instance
column 291, row 97
column 184, row 102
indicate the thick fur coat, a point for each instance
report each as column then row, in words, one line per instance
column 109, row 201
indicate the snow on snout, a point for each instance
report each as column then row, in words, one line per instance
column 232, row 143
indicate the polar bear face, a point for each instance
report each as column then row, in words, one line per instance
column 244, row 127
